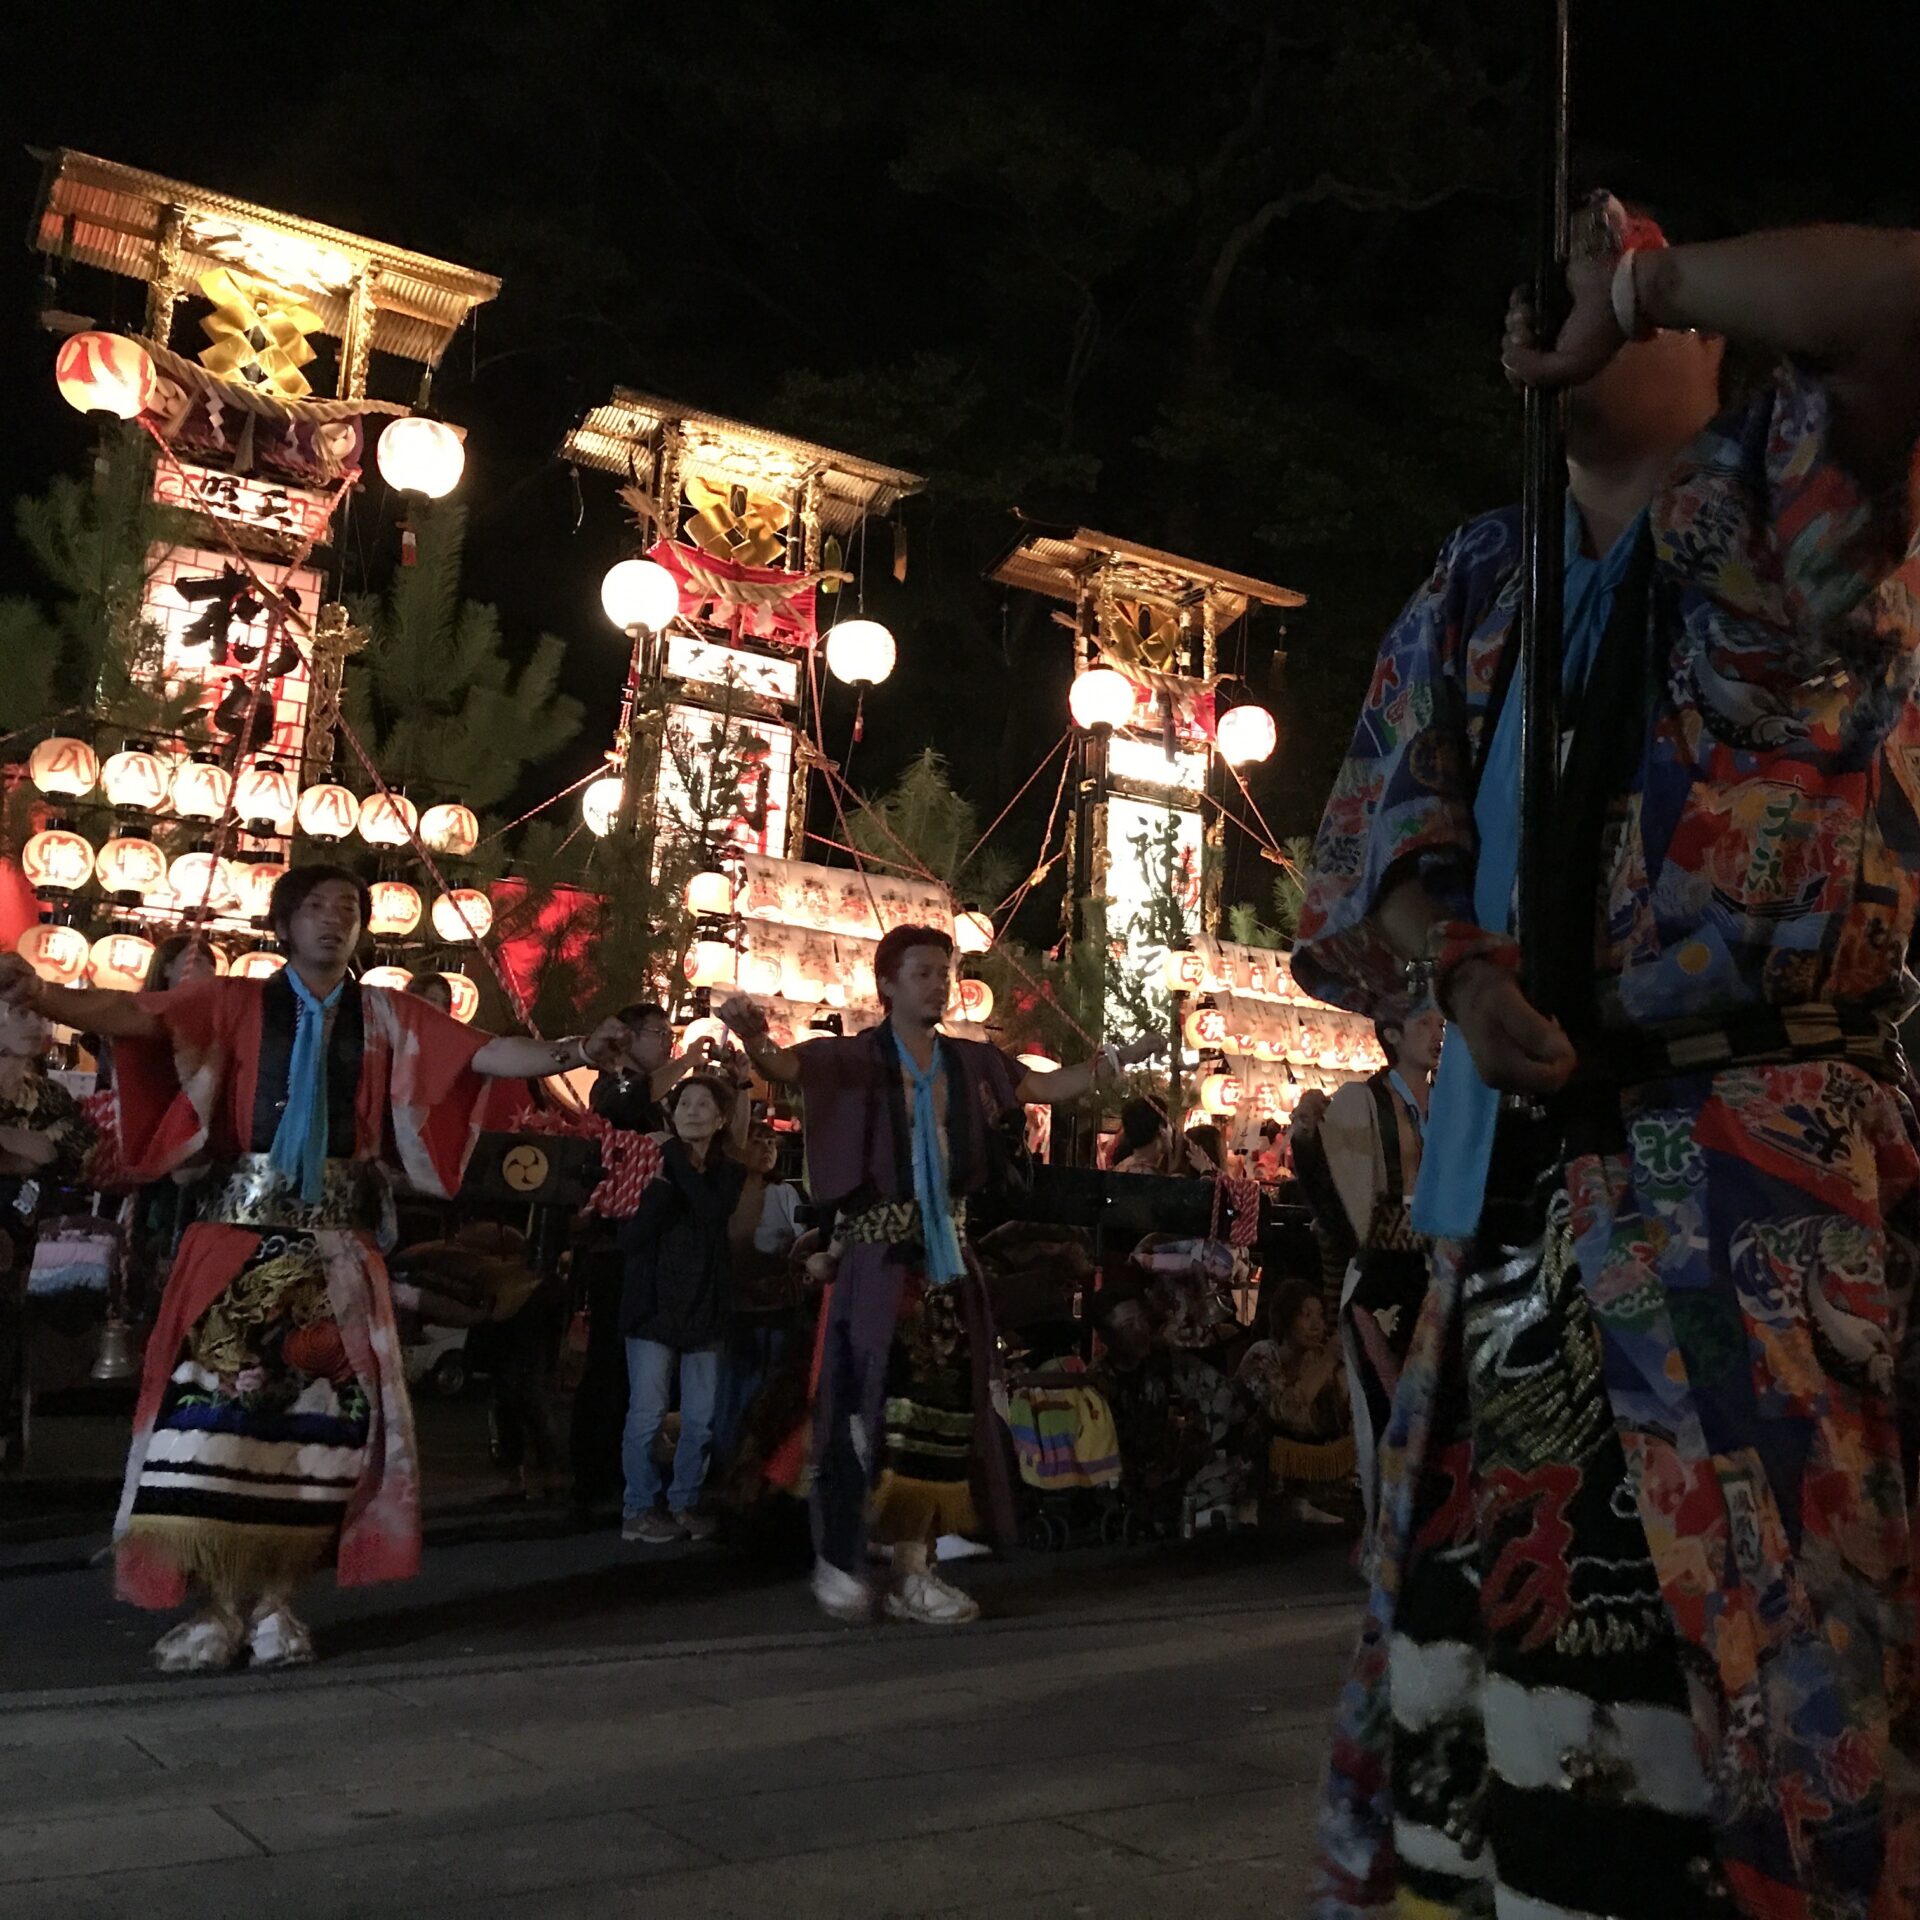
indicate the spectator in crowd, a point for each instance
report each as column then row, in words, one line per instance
column 765, row 1230
column 1271, row 1163
column 433, row 989
column 1143, row 1146
column 676, row 1307
column 1293, row 1380
column 180, row 960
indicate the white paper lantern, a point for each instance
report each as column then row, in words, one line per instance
column 1246, row 735
column 418, row 455
column 136, row 781
column 327, row 812
column 104, row 373
column 972, row 932
column 640, row 593
column 396, row 908
column 201, row 789
column 130, row 868
column 976, row 1001
column 1100, row 699
column 464, row 914
column 63, row 768
column 388, row 820
column 120, row 961
column 199, row 880
column 860, row 653
column 57, row 860
column 394, row 979
column 711, row 964
column 1220, row 1094
column 466, row 997
column 58, row 954
column 259, row 964
column 254, row 881
column 710, row 893
column 450, row 829
column 600, row 804
column 265, row 797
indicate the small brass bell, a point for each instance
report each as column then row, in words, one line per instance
column 117, row 1358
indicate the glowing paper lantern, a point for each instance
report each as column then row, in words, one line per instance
column 327, row 812
column 464, row 914
column 264, row 797
column 121, row 961
column 1220, row 1094
column 129, row 868
column 860, row 653
column 396, row 907
column 710, row 893
column 388, row 819
column 57, row 860
column 466, row 997
column 1100, row 699
column 1183, row 970
column 972, row 932
column 104, row 373
column 394, row 979
column 1246, row 735
column 976, row 1001
column 63, row 768
column 711, row 964
column 418, row 455
column 201, row 789
column 640, row 593
column 708, row 1029
column 600, row 804
column 761, row 973
column 198, row 880
column 1205, row 1027
column 254, row 881
column 260, row 964
column 58, row 954
column 450, row 829
column 135, row 780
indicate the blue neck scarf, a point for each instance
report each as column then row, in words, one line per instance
column 1398, row 1083
column 1463, row 1108
column 929, row 1176
column 299, row 1147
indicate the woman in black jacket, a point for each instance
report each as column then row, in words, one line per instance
column 675, row 1307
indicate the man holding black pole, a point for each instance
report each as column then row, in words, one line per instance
column 1642, row 1635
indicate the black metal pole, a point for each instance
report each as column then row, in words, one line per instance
column 1543, row 507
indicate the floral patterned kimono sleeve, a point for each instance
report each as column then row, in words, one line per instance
column 1403, row 798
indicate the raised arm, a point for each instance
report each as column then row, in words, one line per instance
column 102, row 1010
column 519, row 1056
column 1062, row 1084
column 781, row 1065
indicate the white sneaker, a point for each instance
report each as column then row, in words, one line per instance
column 928, row 1602
column 280, row 1639
column 842, row 1596
column 208, row 1643
column 1303, row 1509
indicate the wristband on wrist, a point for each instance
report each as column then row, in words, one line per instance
column 1452, row 943
column 1626, row 298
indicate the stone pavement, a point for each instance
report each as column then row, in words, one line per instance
column 1126, row 1759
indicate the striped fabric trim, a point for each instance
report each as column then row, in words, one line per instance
column 1649, row 1751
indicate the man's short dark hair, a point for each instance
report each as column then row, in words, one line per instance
column 637, row 1015
column 1140, row 1124
column 297, row 883
column 1270, row 1129
column 898, row 942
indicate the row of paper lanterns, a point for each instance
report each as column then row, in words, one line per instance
column 1103, row 699
column 772, row 974
column 120, row 960
column 266, row 796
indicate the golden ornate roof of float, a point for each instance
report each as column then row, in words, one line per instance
column 1058, row 562
column 102, row 214
column 732, row 451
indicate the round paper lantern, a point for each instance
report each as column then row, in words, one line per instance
column 130, row 868
column 63, row 768
column 388, row 819
column 201, row 789
column 1183, row 970
column 57, row 860
column 711, row 964
column 396, row 907
column 640, row 593
column 860, row 653
column 394, row 979
column 104, row 373
column 264, row 797
column 418, row 455
column 466, row 997
column 464, row 914
column 806, row 979
column 972, row 932
column 135, row 780
column 254, row 881
column 327, row 812
column 710, row 893
column 1205, row 1027
column 1100, row 699
column 451, row 829
column 259, row 964
column 1220, row 1094
column 600, row 804
column 121, row 961
column 198, row 880
column 976, row 1001
column 761, row 973
column 58, row 954
column 1245, row 735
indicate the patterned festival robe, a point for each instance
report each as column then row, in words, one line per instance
column 1641, row 1639
column 273, row 1430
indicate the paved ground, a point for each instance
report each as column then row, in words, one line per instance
column 1137, row 1737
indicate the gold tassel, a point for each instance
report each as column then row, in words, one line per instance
column 1318, row 1462
column 230, row 1558
column 914, row 1510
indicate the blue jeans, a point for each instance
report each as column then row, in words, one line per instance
column 650, row 1379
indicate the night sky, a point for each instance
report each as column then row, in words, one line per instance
column 1020, row 248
